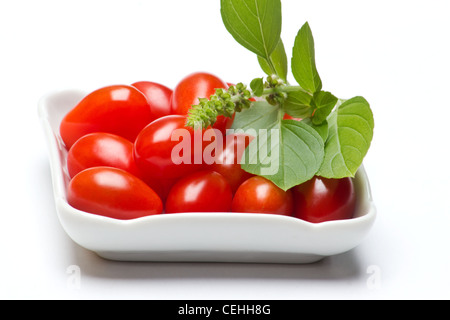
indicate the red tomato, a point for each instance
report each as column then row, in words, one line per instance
column 321, row 199
column 192, row 87
column 120, row 109
column 160, row 186
column 288, row 117
column 259, row 195
column 166, row 149
column 202, row 191
column 113, row 193
column 101, row 149
column 223, row 123
column 158, row 96
column 228, row 160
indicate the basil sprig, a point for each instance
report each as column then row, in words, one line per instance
column 333, row 136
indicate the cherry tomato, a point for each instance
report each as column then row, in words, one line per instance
column 223, row 123
column 288, row 117
column 158, row 96
column 101, row 149
column 166, row 149
column 321, row 199
column 120, row 109
column 228, row 160
column 202, row 191
column 259, row 195
column 113, row 193
column 191, row 88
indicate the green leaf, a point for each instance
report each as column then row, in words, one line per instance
column 350, row 134
column 288, row 153
column 304, row 61
column 255, row 24
column 278, row 62
column 261, row 115
column 257, row 86
column 324, row 102
column 298, row 105
column 321, row 129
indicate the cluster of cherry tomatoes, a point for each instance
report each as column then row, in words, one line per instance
column 120, row 160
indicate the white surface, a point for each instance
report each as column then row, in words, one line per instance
column 197, row 237
column 394, row 53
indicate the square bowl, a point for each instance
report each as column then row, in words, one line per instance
column 197, row 237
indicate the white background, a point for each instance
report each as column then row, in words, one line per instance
column 394, row 53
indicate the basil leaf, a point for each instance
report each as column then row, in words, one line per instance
column 288, row 153
column 261, row 115
column 257, row 86
column 304, row 61
column 321, row 129
column 350, row 134
column 255, row 24
column 279, row 61
column 324, row 102
column 298, row 105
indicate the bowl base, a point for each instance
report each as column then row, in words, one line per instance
column 212, row 256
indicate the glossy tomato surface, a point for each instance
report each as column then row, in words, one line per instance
column 259, row 195
column 113, row 193
column 320, row 199
column 202, row 191
column 119, row 109
column 166, row 149
column 228, row 159
column 158, row 96
column 191, row 88
column 101, row 149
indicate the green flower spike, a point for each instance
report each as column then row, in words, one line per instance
column 223, row 102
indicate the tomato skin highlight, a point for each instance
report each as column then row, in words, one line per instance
column 202, row 191
column 320, row 199
column 101, row 149
column 191, row 88
column 118, row 109
column 154, row 145
column 158, row 96
column 228, row 160
column 113, row 193
column 259, row 195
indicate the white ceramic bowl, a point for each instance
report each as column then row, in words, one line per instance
column 212, row 237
